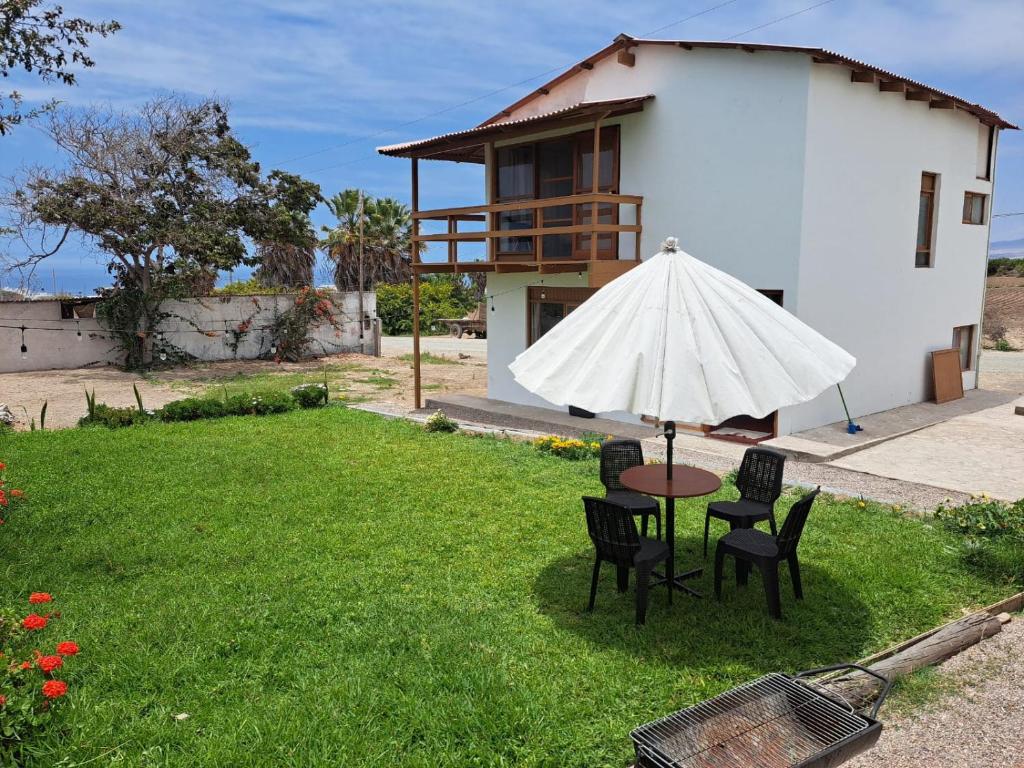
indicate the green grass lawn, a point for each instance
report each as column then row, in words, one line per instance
column 331, row 588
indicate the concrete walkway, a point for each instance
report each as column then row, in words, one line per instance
column 974, row 453
column 832, row 441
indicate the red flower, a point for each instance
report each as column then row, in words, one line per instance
column 49, row 663
column 40, row 597
column 54, row 689
column 3, row 700
column 17, row 493
column 67, row 648
column 34, row 621
column 2, row 466
column 3, row 499
column 26, row 665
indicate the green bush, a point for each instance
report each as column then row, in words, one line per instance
column 984, row 517
column 250, row 287
column 439, row 422
column 310, row 395
column 192, row 408
column 443, row 296
column 1005, row 267
column 103, row 415
column 1002, row 345
column 258, row 403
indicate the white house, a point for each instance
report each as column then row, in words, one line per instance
column 857, row 198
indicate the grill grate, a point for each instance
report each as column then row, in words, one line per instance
column 772, row 722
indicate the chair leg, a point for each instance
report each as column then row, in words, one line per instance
column 770, row 574
column 622, row 577
column 719, row 562
column 657, row 523
column 794, row 574
column 593, row 584
column 643, row 525
column 707, row 528
column 742, row 572
column 771, row 522
column 643, row 580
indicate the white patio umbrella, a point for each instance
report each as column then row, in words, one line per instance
column 677, row 339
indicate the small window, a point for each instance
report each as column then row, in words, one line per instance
column 926, row 220
column 974, row 208
column 963, row 340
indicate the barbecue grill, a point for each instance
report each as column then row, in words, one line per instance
column 777, row 721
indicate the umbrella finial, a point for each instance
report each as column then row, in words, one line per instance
column 671, row 245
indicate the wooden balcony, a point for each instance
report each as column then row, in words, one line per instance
column 602, row 266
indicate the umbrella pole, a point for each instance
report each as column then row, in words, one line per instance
column 670, row 435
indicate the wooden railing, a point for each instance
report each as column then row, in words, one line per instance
column 490, row 235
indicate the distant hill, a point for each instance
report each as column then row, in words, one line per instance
column 1006, row 249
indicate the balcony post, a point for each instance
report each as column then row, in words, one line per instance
column 490, row 181
column 415, row 248
column 636, row 235
column 596, row 186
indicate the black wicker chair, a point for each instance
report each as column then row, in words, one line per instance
column 753, row 547
column 613, row 531
column 760, row 484
column 616, row 457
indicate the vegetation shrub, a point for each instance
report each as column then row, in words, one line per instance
column 439, row 422
column 33, row 665
column 1005, row 267
column 984, row 517
column 103, row 415
column 310, row 395
column 442, row 296
column 290, row 330
column 192, row 408
column 258, row 403
column 568, row 448
column 250, row 287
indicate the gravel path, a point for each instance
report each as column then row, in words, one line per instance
column 981, row 725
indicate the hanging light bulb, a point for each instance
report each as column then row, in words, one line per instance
column 273, row 349
column 78, row 330
column 24, row 349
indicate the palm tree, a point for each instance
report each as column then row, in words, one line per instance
column 285, row 265
column 387, row 227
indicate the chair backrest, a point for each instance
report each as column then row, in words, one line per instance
column 612, row 529
column 760, row 475
column 616, row 457
column 793, row 528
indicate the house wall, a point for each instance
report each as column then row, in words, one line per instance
column 54, row 343
column 865, row 153
column 718, row 156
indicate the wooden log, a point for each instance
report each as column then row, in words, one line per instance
column 860, row 689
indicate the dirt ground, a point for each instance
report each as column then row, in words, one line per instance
column 358, row 378
column 1004, row 308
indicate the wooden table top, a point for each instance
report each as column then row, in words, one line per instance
column 686, row 482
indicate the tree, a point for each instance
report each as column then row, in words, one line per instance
column 168, row 195
column 387, row 229
column 43, row 41
column 287, row 253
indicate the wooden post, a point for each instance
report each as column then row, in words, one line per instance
column 639, row 208
column 452, row 244
column 362, row 345
column 490, row 181
column 595, row 187
column 415, row 247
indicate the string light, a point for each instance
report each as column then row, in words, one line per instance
column 78, row 330
column 24, row 349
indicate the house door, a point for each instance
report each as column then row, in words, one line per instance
column 747, row 429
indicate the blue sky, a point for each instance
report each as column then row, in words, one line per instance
column 314, row 86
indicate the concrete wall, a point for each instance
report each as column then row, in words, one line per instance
column 198, row 326
column 865, row 153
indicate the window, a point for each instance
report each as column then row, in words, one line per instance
column 926, row 220
column 548, row 306
column 555, row 168
column 974, row 208
column 963, row 340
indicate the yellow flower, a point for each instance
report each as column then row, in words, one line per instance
column 861, row 504
column 985, row 496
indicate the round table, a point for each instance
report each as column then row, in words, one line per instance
column 686, row 482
